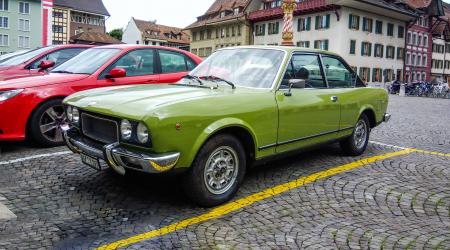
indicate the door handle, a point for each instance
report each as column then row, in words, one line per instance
column 151, row 81
column 334, row 98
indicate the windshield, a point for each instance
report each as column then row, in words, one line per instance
column 87, row 62
column 25, row 57
column 246, row 67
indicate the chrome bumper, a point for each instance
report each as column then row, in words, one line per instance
column 386, row 117
column 119, row 158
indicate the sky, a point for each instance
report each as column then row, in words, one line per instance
column 177, row 13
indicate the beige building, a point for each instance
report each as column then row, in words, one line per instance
column 223, row 25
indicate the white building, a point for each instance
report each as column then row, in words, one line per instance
column 150, row 33
column 370, row 36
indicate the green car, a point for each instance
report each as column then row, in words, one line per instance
column 240, row 106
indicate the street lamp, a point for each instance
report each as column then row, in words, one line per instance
column 288, row 35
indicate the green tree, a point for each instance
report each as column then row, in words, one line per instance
column 116, row 33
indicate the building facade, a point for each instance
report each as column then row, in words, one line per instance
column 373, row 44
column 440, row 60
column 71, row 18
column 20, row 25
column 151, row 33
column 224, row 24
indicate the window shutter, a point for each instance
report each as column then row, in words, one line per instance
column 325, row 44
column 307, row 44
column 362, row 49
column 350, row 21
column 373, row 74
column 357, row 22
column 299, row 24
column 308, row 23
column 316, row 44
column 317, row 22
column 278, row 28
column 370, row 49
column 382, row 51
column 328, row 21
column 264, row 29
column 364, row 27
column 368, row 74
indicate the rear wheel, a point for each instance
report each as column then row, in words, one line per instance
column 356, row 144
column 217, row 171
column 47, row 123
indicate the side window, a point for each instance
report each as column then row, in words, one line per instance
column 136, row 63
column 172, row 62
column 59, row 57
column 338, row 74
column 190, row 64
column 305, row 67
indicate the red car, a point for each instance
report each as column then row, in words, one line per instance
column 36, row 62
column 31, row 107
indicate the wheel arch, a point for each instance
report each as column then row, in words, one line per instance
column 236, row 127
column 42, row 102
column 370, row 113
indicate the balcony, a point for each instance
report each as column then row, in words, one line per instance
column 306, row 6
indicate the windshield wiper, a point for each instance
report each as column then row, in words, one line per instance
column 62, row 71
column 196, row 78
column 216, row 78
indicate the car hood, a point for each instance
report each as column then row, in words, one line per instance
column 138, row 101
column 36, row 81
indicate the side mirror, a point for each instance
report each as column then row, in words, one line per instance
column 295, row 84
column 46, row 64
column 116, row 73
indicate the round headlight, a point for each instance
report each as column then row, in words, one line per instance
column 69, row 113
column 75, row 115
column 142, row 133
column 126, row 130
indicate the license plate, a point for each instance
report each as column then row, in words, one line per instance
column 91, row 162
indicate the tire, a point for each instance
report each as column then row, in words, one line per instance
column 49, row 117
column 356, row 144
column 209, row 165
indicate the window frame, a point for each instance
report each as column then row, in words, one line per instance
column 28, row 66
column 101, row 75
column 24, row 4
column 347, row 66
column 302, row 53
column 186, row 59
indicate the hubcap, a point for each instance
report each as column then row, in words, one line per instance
column 221, row 170
column 52, row 123
column 360, row 134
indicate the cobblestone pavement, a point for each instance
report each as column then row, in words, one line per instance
column 401, row 202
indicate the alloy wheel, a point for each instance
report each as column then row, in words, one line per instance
column 52, row 124
column 221, row 170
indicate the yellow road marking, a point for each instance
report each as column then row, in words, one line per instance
column 432, row 153
column 246, row 201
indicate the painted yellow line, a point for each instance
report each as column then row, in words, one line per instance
column 246, row 201
column 432, row 153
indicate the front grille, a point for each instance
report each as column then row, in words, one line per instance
column 99, row 129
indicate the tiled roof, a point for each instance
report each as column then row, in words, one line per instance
column 219, row 5
column 95, row 38
column 418, row 4
column 212, row 15
column 152, row 30
column 91, row 6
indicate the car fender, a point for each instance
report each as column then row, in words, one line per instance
column 371, row 107
column 215, row 128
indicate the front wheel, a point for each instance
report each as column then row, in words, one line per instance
column 47, row 123
column 217, row 171
column 356, row 144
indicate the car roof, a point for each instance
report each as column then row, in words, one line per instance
column 288, row 49
column 72, row 46
column 135, row 46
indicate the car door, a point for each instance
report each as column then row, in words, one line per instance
column 345, row 85
column 174, row 65
column 139, row 65
column 308, row 115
